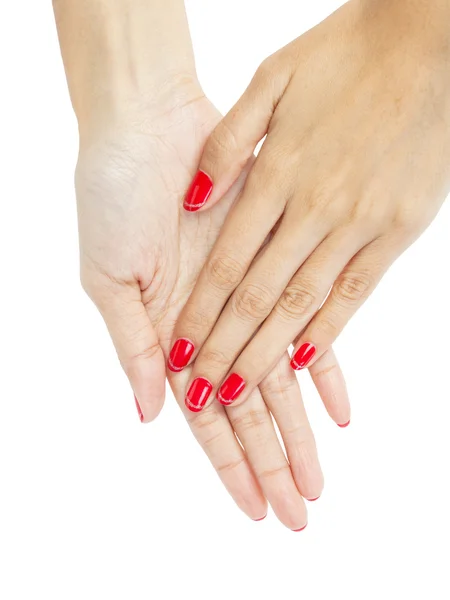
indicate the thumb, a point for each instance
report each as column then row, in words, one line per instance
column 234, row 139
column 137, row 346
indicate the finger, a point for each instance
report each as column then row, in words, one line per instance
column 234, row 139
column 253, row 300
column 253, row 425
column 136, row 344
column 330, row 383
column 281, row 393
column 297, row 304
column 215, row 435
column 240, row 239
column 350, row 290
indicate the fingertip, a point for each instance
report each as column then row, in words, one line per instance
column 199, row 192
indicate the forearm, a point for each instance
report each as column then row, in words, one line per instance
column 118, row 52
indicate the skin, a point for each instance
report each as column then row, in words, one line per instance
column 141, row 255
column 355, row 165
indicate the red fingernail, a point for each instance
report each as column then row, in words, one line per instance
column 261, row 519
column 301, row 529
column 198, row 394
column 313, row 499
column 302, row 357
column 344, row 425
column 140, row 413
column 230, row 389
column 199, row 192
column 180, row 354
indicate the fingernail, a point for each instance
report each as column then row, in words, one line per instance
column 198, row 394
column 301, row 528
column 180, row 354
column 344, row 425
column 313, row 499
column 199, row 192
column 230, row 389
column 303, row 355
column 261, row 519
column 140, row 413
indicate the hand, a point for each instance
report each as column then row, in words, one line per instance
column 141, row 255
column 355, row 165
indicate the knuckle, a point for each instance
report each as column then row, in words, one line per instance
column 266, row 70
column 280, row 389
column 408, row 222
column 251, row 302
column 352, row 288
column 297, row 301
column 272, row 166
column 330, row 201
column 146, row 353
column 274, row 471
column 195, row 320
column 327, row 325
column 230, row 465
column 251, row 420
column 214, row 358
column 222, row 141
column 224, row 272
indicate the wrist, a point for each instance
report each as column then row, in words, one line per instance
column 123, row 56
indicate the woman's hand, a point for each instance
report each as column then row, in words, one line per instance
column 355, row 165
column 141, row 255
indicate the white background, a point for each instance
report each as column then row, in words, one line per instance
column 95, row 506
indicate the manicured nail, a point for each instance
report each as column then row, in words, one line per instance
column 199, row 192
column 261, row 519
column 301, row 529
column 230, row 389
column 180, row 354
column 198, row 394
column 313, row 499
column 302, row 357
column 140, row 413
column 344, row 425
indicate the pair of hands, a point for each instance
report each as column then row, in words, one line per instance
column 353, row 168
column 140, row 258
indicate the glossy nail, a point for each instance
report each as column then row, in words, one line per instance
column 230, row 389
column 140, row 413
column 199, row 192
column 303, row 355
column 344, row 425
column 198, row 394
column 180, row 354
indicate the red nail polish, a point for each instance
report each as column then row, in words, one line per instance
column 140, row 413
column 180, row 354
column 313, row 499
column 198, row 394
column 344, row 425
column 230, row 389
column 303, row 355
column 301, row 528
column 199, row 192
column 261, row 519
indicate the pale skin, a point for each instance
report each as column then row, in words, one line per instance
column 143, row 123
column 355, row 166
